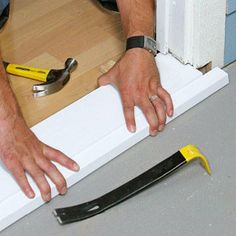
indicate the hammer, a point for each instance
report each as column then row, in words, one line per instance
column 53, row 80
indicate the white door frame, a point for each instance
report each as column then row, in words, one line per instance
column 192, row 30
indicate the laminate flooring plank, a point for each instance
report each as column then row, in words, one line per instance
column 44, row 33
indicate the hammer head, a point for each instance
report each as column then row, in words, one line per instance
column 56, row 79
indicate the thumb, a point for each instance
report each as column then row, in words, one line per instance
column 110, row 73
column 104, row 80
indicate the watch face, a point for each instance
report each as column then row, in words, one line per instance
column 150, row 45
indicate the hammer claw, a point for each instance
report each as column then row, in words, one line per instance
column 46, row 89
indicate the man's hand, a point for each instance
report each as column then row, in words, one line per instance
column 136, row 74
column 137, row 78
column 21, row 152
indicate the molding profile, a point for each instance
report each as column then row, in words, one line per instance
column 93, row 132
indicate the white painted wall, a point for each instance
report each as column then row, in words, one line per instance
column 192, row 30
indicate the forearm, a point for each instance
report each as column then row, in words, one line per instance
column 9, row 108
column 21, row 151
column 137, row 17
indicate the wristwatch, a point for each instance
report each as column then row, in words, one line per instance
column 142, row 41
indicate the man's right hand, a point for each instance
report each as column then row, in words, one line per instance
column 21, row 152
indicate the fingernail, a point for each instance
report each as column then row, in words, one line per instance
column 171, row 112
column 161, row 127
column 153, row 132
column 132, row 129
column 76, row 167
column 47, row 198
column 30, row 194
column 64, row 190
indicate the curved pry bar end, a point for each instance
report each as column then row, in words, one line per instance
column 191, row 152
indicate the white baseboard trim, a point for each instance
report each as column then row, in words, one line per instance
column 92, row 130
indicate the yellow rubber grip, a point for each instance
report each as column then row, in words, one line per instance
column 191, row 152
column 28, row 72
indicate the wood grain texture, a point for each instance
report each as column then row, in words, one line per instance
column 44, row 33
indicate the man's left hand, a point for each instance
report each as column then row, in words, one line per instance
column 137, row 78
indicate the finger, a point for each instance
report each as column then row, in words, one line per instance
column 19, row 174
column 40, row 179
column 110, row 74
column 59, row 157
column 161, row 113
column 154, row 92
column 104, row 80
column 53, row 173
column 150, row 115
column 165, row 96
column 128, row 108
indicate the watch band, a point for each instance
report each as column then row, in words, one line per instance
column 135, row 42
column 131, row 188
column 142, row 41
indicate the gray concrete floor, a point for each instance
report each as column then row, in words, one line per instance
column 187, row 203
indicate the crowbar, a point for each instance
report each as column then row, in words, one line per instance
column 133, row 187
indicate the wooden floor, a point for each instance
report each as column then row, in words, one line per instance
column 44, row 33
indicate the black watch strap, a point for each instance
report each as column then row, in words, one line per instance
column 135, row 42
column 142, row 41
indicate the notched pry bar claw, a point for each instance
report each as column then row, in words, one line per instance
column 131, row 188
column 53, row 80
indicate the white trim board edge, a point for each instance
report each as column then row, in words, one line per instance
column 92, row 130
